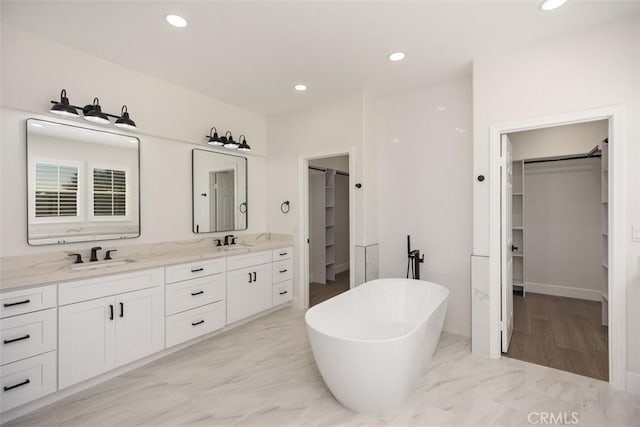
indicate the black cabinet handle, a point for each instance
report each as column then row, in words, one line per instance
column 283, row 271
column 11, row 387
column 255, row 276
column 250, row 278
column 26, row 337
column 284, row 292
column 110, row 311
column 11, row 304
column 284, row 253
column 197, row 270
column 199, row 322
column 121, row 309
column 193, row 294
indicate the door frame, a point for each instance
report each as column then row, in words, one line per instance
column 617, row 238
column 303, row 218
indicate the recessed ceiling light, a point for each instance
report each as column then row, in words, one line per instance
column 551, row 4
column 176, row 21
column 397, row 56
column 300, row 87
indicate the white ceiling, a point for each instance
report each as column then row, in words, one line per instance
column 250, row 53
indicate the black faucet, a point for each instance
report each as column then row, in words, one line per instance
column 94, row 253
column 107, row 256
column 229, row 239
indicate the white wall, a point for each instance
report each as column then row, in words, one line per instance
column 424, row 188
column 335, row 127
column 594, row 68
column 171, row 121
column 577, row 138
column 563, row 243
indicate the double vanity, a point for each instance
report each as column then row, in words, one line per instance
column 62, row 326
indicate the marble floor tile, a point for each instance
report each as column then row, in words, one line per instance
column 263, row 374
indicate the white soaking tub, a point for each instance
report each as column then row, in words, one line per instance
column 373, row 343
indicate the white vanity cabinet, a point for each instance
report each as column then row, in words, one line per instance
column 28, row 345
column 99, row 329
column 282, row 276
column 249, row 285
column 195, row 299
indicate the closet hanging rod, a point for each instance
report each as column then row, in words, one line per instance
column 560, row 159
column 316, row 168
column 594, row 151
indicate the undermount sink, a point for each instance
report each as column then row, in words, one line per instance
column 100, row 264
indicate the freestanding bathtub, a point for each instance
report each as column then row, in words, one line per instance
column 374, row 342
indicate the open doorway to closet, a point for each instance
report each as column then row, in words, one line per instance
column 555, row 247
column 329, row 246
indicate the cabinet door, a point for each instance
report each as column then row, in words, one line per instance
column 238, row 294
column 260, row 290
column 139, row 324
column 86, row 340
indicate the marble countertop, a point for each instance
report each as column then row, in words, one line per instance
column 40, row 270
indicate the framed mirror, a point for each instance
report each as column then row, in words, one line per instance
column 83, row 184
column 219, row 192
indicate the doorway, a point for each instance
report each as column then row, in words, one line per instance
column 329, row 228
column 555, row 246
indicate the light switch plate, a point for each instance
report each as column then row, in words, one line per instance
column 636, row 233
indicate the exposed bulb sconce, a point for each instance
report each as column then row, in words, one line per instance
column 230, row 143
column 227, row 141
column 91, row 112
column 63, row 108
column 214, row 139
column 243, row 144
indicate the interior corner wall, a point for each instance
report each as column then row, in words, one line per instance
column 334, row 127
column 592, row 68
column 424, row 164
column 171, row 122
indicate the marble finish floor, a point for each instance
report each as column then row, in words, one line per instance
column 263, row 374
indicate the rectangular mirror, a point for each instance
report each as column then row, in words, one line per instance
column 219, row 192
column 83, row 184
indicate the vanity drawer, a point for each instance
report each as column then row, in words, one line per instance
column 27, row 380
column 88, row 289
column 27, row 335
column 194, row 293
column 283, row 253
column 182, row 327
column 242, row 261
column 178, row 273
column 27, row 300
column 282, row 271
column 282, row 292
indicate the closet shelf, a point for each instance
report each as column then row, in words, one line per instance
column 516, row 194
column 605, row 296
column 518, row 227
column 518, row 254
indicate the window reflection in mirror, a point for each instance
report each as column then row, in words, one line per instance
column 82, row 184
column 219, row 192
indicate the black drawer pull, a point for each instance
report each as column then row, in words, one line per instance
column 193, row 294
column 11, row 304
column 284, row 292
column 121, row 309
column 197, row 270
column 284, row 253
column 255, row 276
column 250, row 278
column 11, row 387
column 26, row 337
column 283, row 271
column 110, row 311
column 199, row 322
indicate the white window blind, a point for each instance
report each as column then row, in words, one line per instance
column 109, row 193
column 56, row 190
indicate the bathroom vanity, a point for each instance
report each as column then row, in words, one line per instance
column 66, row 328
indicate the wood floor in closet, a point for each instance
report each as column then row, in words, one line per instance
column 562, row 333
column 319, row 292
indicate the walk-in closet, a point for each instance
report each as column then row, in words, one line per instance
column 328, row 228
column 560, row 248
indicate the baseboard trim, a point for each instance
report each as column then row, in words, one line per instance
column 342, row 267
column 633, row 383
column 563, row 291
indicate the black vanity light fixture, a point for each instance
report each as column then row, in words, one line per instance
column 91, row 112
column 227, row 141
